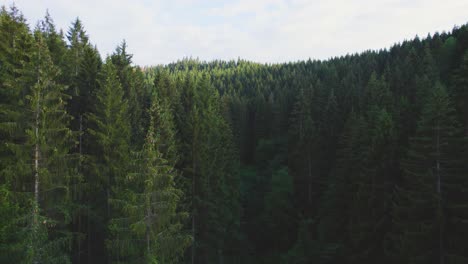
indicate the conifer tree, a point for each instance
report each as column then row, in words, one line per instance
column 110, row 134
column 278, row 206
column 430, row 171
column 132, row 83
column 372, row 192
column 55, row 42
column 50, row 139
column 74, row 69
column 15, row 47
column 336, row 208
column 303, row 146
column 148, row 228
column 77, row 39
column 460, row 80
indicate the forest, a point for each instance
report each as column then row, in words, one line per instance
column 360, row 158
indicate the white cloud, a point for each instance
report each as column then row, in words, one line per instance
column 260, row 30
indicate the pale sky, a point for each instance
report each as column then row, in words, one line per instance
column 163, row 31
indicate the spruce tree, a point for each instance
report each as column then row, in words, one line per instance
column 303, row 134
column 131, row 80
column 373, row 183
column 15, row 47
column 50, row 139
column 110, row 134
column 335, row 226
column 430, row 172
column 148, row 228
column 460, row 83
column 55, row 42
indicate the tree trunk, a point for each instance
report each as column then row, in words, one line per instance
column 220, row 256
column 81, row 136
column 147, row 232
column 441, row 245
column 193, row 209
column 36, row 165
column 77, row 196
column 36, row 169
column 309, row 178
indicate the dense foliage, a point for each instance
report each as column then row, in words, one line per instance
column 357, row 159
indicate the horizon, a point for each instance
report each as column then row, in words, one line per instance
column 159, row 33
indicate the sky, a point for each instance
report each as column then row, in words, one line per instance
column 266, row 31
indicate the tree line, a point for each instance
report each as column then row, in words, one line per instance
column 357, row 159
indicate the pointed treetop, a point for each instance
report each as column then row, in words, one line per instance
column 120, row 56
column 47, row 24
column 14, row 13
column 76, row 33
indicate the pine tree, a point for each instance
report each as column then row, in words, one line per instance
column 278, row 206
column 110, row 134
column 209, row 163
column 55, row 42
column 149, row 225
column 336, row 226
column 50, row 139
column 15, row 47
column 430, row 172
column 88, row 81
column 77, row 39
column 371, row 198
column 328, row 129
column 132, row 83
column 460, row 80
column 371, row 194
column 304, row 153
column 74, row 71
column 219, row 185
column 84, row 192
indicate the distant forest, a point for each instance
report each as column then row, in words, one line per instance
column 361, row 158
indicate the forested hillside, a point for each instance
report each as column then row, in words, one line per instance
column 356, row 159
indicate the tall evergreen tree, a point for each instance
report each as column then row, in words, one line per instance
column 303, row 134
column 148, row 228
column 430, row 170
column 132, row 83
column 460, row 81
column 55, row 42
column 15, row 47
column 336, row 208
column 50, row 139
column 110, row 134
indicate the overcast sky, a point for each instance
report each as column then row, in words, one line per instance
column 162, row 31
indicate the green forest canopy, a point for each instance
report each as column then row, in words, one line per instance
column 357, row 159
